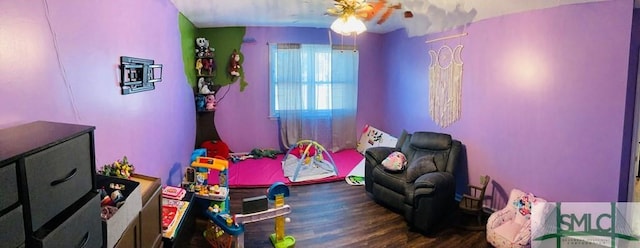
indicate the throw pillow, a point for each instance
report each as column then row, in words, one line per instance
column 419, row 167
column 523, row 205
column 396, row 161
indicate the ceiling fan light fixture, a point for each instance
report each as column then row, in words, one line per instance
column 348, row 25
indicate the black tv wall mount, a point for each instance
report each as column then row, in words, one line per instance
column 138, row 75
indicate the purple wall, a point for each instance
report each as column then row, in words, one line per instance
column 155, row 129
column 242, row 118
column 543, row 99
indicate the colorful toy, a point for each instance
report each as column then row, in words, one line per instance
column 277, row 193
column 119, row 168
column 199, row 66
column 210, row 103
column 210, row 163
column 200, row 102
column 226, row 223
column 216, row 148
column 310, row 154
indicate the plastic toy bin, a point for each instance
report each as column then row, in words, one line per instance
column 114, row 227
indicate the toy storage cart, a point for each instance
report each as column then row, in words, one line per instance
column 225, row 229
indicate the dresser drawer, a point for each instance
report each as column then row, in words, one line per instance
column 82, row 229
column 57, row 177
column 12, row 229
column 8, row 186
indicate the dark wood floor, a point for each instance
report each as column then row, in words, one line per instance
column 340, row 215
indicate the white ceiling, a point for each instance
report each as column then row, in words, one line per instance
column 430, row 16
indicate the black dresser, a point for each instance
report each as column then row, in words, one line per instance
column 48, row 196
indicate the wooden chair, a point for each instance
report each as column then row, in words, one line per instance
column 472, row 203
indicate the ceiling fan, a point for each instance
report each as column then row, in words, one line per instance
column 366, row 11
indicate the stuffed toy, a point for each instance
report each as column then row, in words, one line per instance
column 216, row 148
column 202, row 46
column 300, row 149
column 200, row 102
column 199, row 66
column 523, row 204
column 263, row 153
column 234, row 64
column 210, row 102
column 208, row 65
column 204, row 55
column 208, row 52
column 204, row 87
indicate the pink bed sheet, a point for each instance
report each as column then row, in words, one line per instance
column 255, row 173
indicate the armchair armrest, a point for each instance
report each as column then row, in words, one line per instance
column 500, row 217
column 434, row 180
column 373, row 158
column 441, row 183
column 523, row 237
column 433, row 191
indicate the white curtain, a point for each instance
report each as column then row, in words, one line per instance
column 344, row 78
column 314, row 94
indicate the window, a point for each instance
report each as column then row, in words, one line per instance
column 305, row 78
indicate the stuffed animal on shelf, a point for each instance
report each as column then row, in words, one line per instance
column 202, row 47
column 208, row 65
column 210, row 102
column 204, row 87
column 234, row 64
column 199, row 66
column 200, row 102
column 204, row 57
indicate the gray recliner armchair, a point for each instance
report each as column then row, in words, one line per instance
column 428, row 198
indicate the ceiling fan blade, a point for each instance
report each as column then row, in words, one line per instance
column 374, row 9
column 364, row 13
column 334, row 12
column 385, row 16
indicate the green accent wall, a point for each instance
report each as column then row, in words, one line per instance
column 188, row 41
column 225, row 40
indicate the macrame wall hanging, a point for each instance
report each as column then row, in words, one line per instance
column 445, row 85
